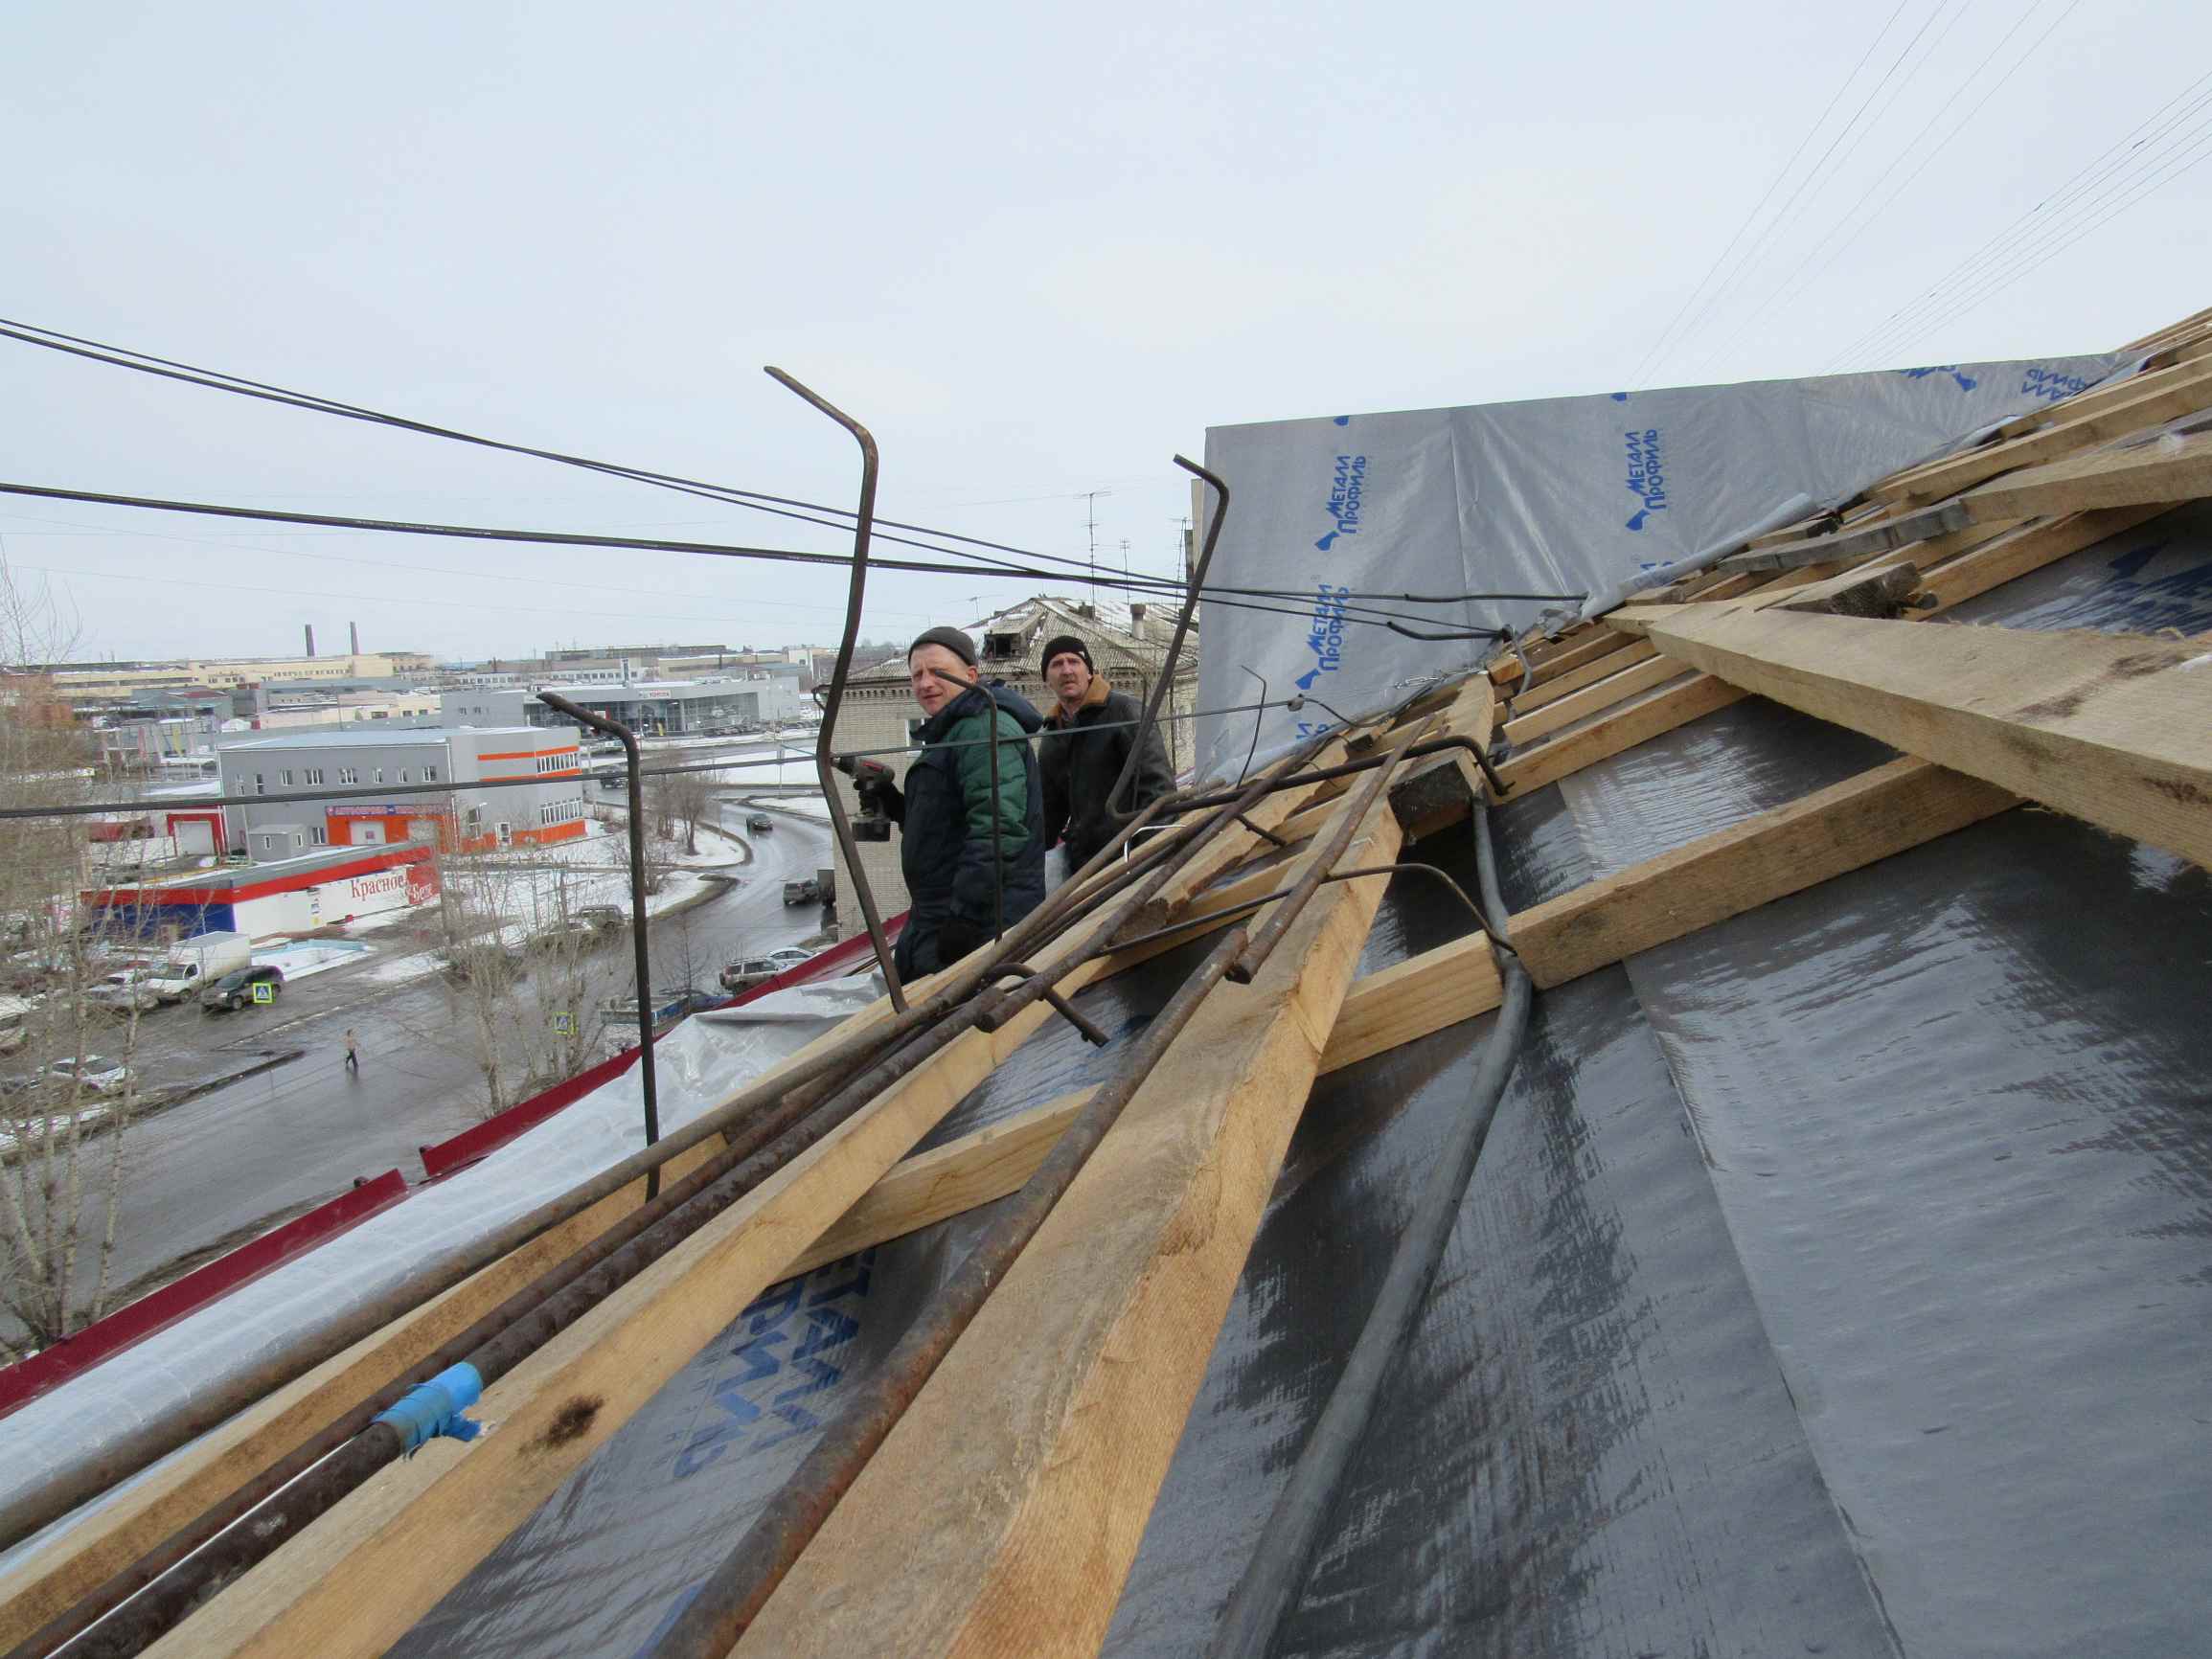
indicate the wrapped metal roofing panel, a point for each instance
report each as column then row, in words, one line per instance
column 1552, row 496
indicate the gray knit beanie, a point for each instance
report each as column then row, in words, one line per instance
column 953, row 639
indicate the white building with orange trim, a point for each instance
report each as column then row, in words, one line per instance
column 469, row 790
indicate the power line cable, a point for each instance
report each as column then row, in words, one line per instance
column 1992, row 259
column 1807, row 190
column 165, row 368
column 1651, row 356
column 80, row 528
column 1845, row 237
column 1363, row 615
column 2200, row 151
column 2094, row 182
column 2099, row 175
column 1842, row 228
column 1992, row 274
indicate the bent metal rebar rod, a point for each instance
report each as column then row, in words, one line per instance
column 1183, row 614
column 863, row 522
column 642, row 958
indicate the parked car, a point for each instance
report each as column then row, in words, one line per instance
column 607, row 918
column 572, row 929
column 236, row 990
column 790, row 956
column 747, row 974
column 95, row 1072
column 759, row 821
column 124, row 993
column 804, row 891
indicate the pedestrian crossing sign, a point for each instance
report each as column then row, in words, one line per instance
column 264, row 992
column 564, row 1024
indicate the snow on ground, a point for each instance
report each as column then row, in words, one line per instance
column 804, row 806
column 300, row 958
column 528, row 899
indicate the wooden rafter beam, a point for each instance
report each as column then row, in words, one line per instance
column 1026, row 1467
column 367, row 1570
column 2112, row 728
column 2162, row 469
column 1788, row 850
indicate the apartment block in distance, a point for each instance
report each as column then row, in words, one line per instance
column 466, row 790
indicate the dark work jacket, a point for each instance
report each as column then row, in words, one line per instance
column 1081, row 768
column 947, row 821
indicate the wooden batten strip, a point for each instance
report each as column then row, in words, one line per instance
column 1788, row 850
column 2112, row 728
column 1024, row 1471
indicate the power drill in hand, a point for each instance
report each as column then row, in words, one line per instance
column 872, row 783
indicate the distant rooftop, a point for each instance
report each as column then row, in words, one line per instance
column 378, row 735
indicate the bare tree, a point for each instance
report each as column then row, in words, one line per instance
column 556, row 1030
column 480, row 967
column 59, row 1193
column 690, row 797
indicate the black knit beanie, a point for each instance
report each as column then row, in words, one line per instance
column 1061, row 646
column 953, row 639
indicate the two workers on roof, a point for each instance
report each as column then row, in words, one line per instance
column 951, row 819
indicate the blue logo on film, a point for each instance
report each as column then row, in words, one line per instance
column 1345, row 491
column 1966, row 382
column 1325, row 635
column 1646, row 475
column 760, row 1392
column 2050, row 385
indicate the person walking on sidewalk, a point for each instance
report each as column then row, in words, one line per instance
column 353, row 1052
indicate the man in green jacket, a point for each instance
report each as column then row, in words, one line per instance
column 952, row 824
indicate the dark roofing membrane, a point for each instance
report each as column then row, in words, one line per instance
column 1836, row 1280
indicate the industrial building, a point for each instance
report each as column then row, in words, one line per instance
column 290, row 894
column 83, row 682
column 649, row 708
column 542, row 803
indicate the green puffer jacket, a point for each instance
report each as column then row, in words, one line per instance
column 948, row 819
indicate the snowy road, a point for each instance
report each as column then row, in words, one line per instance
column 220, row 1168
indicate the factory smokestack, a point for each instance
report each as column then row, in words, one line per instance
column 310, row 639
column 353, row 638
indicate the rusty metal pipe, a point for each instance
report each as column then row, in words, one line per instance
column 1183, row 614
column 863, row 524
column 1349, row 769
column 1318, row 862
column 641, row 952
column 737, row 1590
column 1196, row 926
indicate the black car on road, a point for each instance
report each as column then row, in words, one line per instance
column 236, row 990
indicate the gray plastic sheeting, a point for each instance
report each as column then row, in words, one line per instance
column 1555, row 495
column 1835, row 1278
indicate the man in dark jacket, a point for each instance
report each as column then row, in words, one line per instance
column 1082, row 765
column 949, row 819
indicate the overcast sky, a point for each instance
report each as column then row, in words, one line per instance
column 1038, row 249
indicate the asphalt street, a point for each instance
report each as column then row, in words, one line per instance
column 212, row 1172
